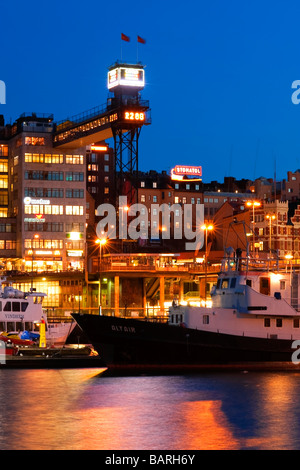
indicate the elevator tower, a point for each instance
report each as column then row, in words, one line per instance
column 126, row 81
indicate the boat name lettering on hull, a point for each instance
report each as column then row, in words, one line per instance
column 123, row 329
column 14, row 315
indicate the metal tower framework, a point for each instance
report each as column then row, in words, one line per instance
column 126, row 161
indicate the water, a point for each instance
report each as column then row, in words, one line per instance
column 79, row 409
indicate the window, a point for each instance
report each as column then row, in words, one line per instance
column 10, row 245
column 34, row 140
column 74, row 159
column 225, row 284
column 15, row 306
column 74, row 176
column 44, row 192
column 296, row 323
column 267, row 322
column 106, row 168
column 3, row 165
column 143, row 198
column 44, row 175
column 279, row 322
column 154, row 198
column 142, row 184
column 282, row 285
column 4, row 150
column 3, row 182
column 75, row 193
column 205, row 319
column 74, row 210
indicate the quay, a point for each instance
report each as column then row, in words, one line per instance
column 52, row 358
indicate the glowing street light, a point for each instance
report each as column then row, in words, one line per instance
column 253, row 204
column 101, row 242
column 206, row 228
column 35, row 237
column 289, row 258
column 270, row 217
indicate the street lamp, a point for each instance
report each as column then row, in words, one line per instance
column 101, row 242
column 253, row 204
column 270, row 218
column 35, row 237
column 289, row 258
column 206, row 228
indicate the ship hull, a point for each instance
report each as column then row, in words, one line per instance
column 134, row 342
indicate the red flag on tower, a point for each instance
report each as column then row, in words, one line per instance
column 124, row 37
column 141, row 40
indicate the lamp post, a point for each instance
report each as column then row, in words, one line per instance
column 270, row 218
column 101, row 242
column 35, row 237
column 206, row 228
column 289, row 258
column 253, row 204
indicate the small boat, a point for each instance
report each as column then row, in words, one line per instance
column 254, row 317
column 8, row 338
column 21, row 314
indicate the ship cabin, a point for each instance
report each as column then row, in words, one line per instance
column 20, row 311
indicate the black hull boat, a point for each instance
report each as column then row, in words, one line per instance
column 254, row 317
column 121, row 341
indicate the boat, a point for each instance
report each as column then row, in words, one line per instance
column 21, row 314
column 253, row 317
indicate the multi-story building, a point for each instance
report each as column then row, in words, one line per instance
column 100, row 174
column 46, row 189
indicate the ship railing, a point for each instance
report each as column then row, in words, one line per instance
column 234, row 263
column 152, row 314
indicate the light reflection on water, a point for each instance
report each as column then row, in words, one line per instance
column 77, row 409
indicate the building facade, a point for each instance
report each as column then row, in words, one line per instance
column 46, row 190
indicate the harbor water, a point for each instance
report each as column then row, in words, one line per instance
column 83, row 410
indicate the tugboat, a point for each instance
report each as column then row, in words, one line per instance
column 254, row 317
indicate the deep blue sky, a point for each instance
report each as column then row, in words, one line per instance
column 218, row 74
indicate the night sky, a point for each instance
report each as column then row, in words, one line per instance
column 218, row 75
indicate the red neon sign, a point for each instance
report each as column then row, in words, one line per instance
column 187, row 170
